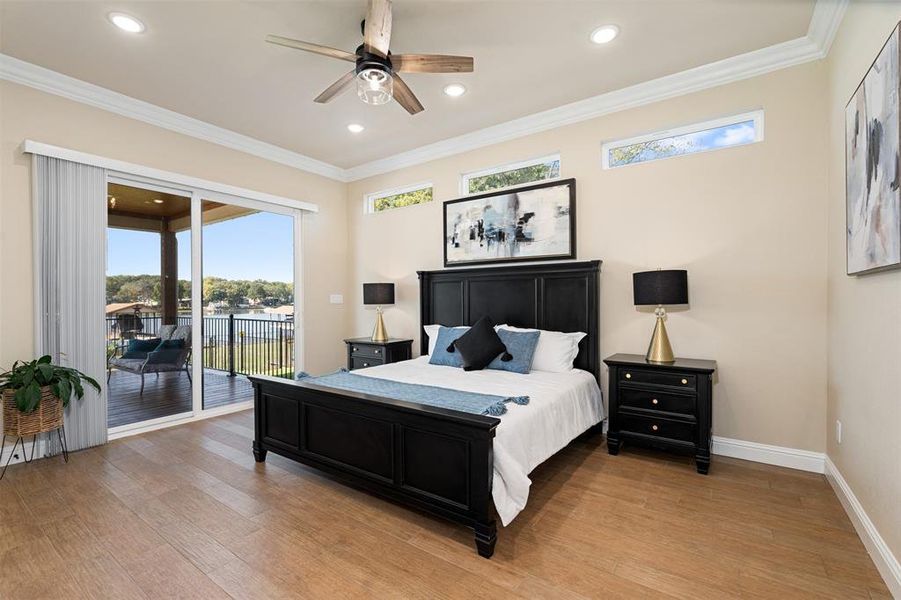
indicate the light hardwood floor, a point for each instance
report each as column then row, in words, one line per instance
column 185, row 512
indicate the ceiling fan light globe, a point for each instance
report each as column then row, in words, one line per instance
column 375, row 86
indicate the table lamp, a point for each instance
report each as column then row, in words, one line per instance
column 658, row 288
column 379, row 294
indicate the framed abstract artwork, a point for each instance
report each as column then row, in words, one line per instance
column 872, row 178
column 535, row 222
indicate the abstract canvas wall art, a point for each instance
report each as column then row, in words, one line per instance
column 872, row 148
column 535, row 222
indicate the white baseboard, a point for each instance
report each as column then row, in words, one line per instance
column 793, row 458
column 886, row 562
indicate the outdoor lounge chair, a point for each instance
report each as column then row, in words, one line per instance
column 129, row 325
column 158, row 361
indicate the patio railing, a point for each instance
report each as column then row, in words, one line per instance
column 233, row 344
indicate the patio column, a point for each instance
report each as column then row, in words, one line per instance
column 169, row 275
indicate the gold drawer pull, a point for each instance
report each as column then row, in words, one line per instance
column 654, row 401
column 353, row 348
column 378, row 351
column 628, row 375
column 684, row 381
column 654, row 427
column 365, row 364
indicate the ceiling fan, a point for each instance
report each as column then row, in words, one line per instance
column 376, row 70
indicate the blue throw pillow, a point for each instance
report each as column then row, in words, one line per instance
column 521, row 346
column 139, row 348
column 170, row 356
column 171, row 345
column 446, row 336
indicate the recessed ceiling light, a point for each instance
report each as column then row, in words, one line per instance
column 454, row 90
column 604, row 34
column 355, row 128
column 157, row 201
column 126, row 23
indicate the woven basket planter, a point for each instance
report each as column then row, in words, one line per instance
column 46, row 417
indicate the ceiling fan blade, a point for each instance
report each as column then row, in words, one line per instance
column 431, row 63
column 314, row 48
column 377, row 33
column 336, row 88
column 405, row 96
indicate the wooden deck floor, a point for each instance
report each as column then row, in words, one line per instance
column 185, row 512
column 168, row 394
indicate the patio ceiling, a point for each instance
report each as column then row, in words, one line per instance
column 146, row 210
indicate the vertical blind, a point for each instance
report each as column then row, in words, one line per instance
column 70, row 251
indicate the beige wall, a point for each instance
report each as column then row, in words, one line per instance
column 748, row 223
column 864, row 374
column 29, row 114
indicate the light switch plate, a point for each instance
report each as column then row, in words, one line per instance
column 336, row 299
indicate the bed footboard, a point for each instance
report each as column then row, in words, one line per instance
column 430, row 458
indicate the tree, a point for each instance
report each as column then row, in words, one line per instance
column 404, row 199
column 146, row 289
column 640, row 151
column 494, row 181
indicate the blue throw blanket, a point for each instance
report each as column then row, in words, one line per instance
column 471, row 402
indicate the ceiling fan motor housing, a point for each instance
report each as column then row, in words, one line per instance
column 367, row 60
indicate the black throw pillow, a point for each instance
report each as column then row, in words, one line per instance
column 479, row 346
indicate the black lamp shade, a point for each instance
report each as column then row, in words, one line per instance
column 378, row 293
column 660, row 287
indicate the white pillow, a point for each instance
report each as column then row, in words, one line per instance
column 555, row 351
column 432, row 332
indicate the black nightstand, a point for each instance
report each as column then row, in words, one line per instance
column 363, row 352
column 666, row 406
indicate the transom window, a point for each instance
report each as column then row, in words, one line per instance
column 398, row 197
column 732, row 131
column 520, row 173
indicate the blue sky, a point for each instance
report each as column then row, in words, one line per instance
column 257, row 246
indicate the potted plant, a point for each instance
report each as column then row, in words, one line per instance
column 35, row 393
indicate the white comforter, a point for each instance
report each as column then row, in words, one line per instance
column 561, row 406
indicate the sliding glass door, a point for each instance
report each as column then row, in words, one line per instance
column 248, row 299
column 201, row 293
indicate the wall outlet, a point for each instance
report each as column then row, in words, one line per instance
column 336, row 299
column 838, row 431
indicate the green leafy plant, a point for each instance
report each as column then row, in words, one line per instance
column 27, row 379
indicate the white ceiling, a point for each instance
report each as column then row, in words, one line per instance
column 208, row 60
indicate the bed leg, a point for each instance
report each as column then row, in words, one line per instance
column 486, row 538
column 259, row 454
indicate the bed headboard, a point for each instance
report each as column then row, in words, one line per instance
column 556, row 297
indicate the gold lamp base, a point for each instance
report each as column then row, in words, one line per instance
column 379, row 334
column 659, row 350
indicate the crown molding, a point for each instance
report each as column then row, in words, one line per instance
column 824, row 23
column 736, row 68
column 45, row 80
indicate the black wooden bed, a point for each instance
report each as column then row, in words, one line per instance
column 430, row 458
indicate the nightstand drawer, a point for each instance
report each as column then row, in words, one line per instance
column 656, row 427
column 654, row 400
column 367, row 351
column 672, row 379
column 362, row 363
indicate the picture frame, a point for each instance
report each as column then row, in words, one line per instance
column 872, row 151
column 521, row 224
